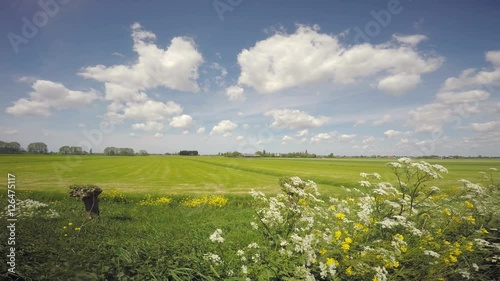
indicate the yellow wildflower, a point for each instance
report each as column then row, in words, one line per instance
column 447, row 212
column 332, row 261
column 404, row 249
column 471, row 219
column 345, row 246
column 348, row 271
column 469, row 247
column 483, row 230
column 338, row 233
column 70, row 223
column 302, row 202
column 77, row 228
column 469, row 205
column 348, row 240
column 340, row 216
column 453, row 259
column 322, row 251
column 400, row 237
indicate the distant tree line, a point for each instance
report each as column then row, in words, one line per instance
column 71, row 150
column 188, row 152
column 231, row 154
column 116, row 151
column 10, row 147
column 37, row 148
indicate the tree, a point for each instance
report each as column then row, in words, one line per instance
column 143, row 152
column 65, row 150
column 37, row 147
column 188, row 152
column 10, row 147
column 76, row 150
column 118, row 151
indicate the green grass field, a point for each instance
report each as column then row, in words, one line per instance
column 206, row 175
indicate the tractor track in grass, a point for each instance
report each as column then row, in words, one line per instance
column 239, row 167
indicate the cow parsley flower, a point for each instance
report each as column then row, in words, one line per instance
column 217, row 236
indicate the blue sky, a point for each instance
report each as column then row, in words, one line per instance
column 344, row 77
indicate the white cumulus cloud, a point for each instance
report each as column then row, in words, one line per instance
column 307, row 56
column 295, row 119
column 322, row 137
column 183, row 121
column 148, row 126
column 175, row 67
column 48, row 95
column 235, row 93
column 390, row 134
column 224, row 128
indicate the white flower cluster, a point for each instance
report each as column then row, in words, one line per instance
column 29, row 208
column 217, row 236
column 476, row 188
column 365, row 237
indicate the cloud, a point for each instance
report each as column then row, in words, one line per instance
column 386, row 119
column 286, row 139
column 158, row 135
column 493, row 57
column 295, row 119
column 148, row 111
column 411, row 40
column 369, row 139
column 48, row 95
column 225, row 128
column 240, row 139
column 148, row 126
column 472, row 78
column 399, row 84
column 346, row 137
column 359, row 122
column 302, row 133
column 235, row 93
column 322, row 137
column 390, row 134
column 219, row 79
column 175, row 68
column 201, row 130
column 183, row 121
column 459, row 98
column 288, row 60
column 447, row 107
column 484, row 127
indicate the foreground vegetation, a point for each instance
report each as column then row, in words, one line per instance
column 394, row 223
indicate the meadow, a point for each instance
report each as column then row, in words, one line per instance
column 206, row 175
column 159, row 214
